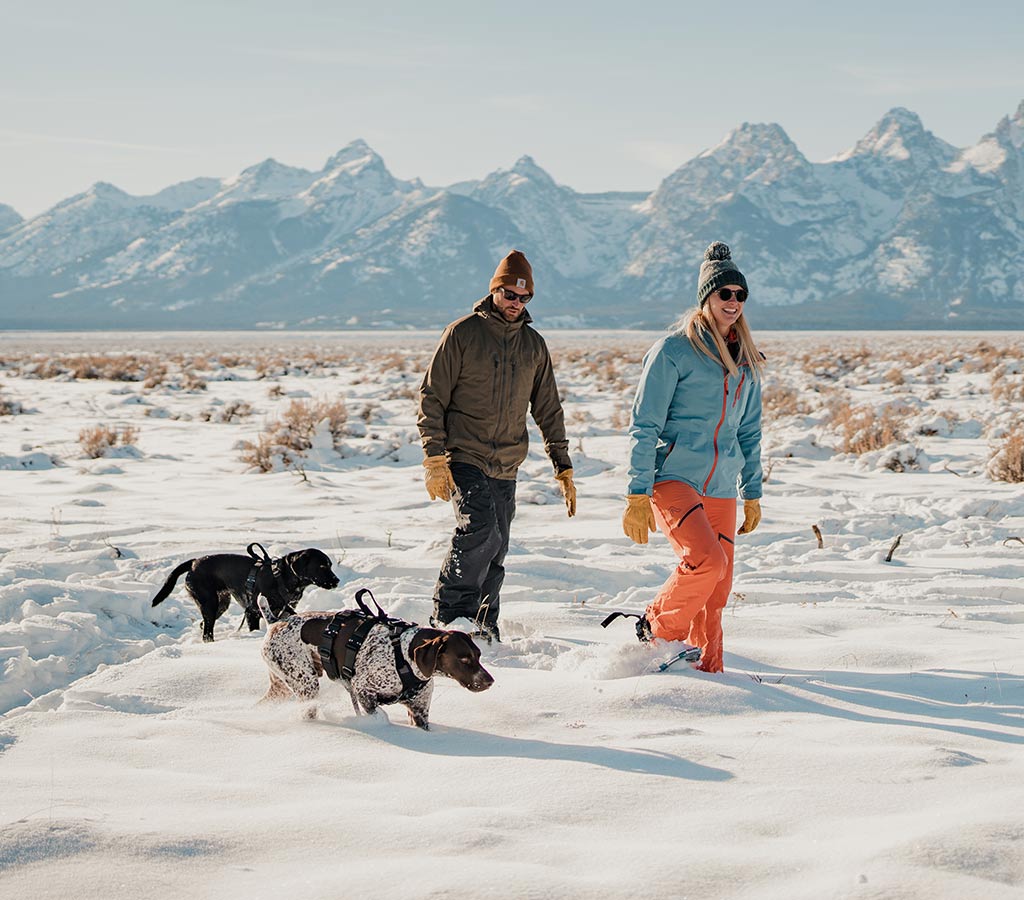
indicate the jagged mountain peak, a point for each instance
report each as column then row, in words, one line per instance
column 527, row 165
column 995, row 149
column 105, row 190
column 102, row 193
column 766, row 138
column 268, row 168
column 184, row 194
column 524, row 173
column 355, row 155
column 900, row 135
column 756, row 151
column 1010, row 130
column 266, row 180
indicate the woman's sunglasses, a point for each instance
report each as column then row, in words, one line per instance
column 726, row 294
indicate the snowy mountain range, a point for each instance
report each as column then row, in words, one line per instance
column 901, row 230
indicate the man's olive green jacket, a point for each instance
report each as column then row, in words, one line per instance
column 485, row 374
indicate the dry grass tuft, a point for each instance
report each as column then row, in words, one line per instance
column 234, row 411
column 290, row 438
column 779, row 400
column 831, row 363
column 1005, row 388
column 1007, row 460
column 10, row 407
column 114, row 367
column 96, row 441
column 862, row 429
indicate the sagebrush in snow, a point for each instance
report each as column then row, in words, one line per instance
column 1007, row 460
column 96, row 441
column 287, row 440
column 1006, row 387
column 234, row 410
column 778, row 400
column 10, row 407
column 862, row 429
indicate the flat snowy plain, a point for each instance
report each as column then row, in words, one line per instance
column 865, row 741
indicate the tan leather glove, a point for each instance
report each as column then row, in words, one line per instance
column 638, row 519
column 565, row 482
column 751, row 516
column 438, row 478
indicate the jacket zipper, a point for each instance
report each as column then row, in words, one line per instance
column 714, row 464
column 739, row 388
column 496, row 394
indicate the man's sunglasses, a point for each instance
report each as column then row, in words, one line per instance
column 726, row 294
column 512, row 295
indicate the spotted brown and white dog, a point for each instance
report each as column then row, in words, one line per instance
column 291, row 652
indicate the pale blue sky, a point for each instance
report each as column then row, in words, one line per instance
column 605, row 96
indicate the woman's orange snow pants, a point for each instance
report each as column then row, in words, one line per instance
column 689, row 605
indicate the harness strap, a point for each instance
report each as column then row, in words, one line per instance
column 250, row 583
column 326, row 646
column 411, row 684
column 261, row 559
column 353, row 646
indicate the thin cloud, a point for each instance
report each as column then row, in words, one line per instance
column 29, row 137
column 360, row 59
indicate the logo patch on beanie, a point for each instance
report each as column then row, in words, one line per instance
column 520, row 282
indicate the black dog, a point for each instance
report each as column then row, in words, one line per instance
column 213, row 580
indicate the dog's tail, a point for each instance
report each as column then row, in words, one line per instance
column 165, row 591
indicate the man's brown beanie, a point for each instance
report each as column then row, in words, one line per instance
column 513, row 271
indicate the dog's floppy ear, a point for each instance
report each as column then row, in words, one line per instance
column 425, row 653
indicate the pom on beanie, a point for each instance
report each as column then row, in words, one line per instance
column 716, row 271
column 717, row 250
column 514, row 271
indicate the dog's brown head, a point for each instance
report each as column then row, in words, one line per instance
column 450, row 653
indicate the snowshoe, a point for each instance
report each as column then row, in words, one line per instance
column 690, row 655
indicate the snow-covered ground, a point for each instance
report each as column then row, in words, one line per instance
column 865, row 741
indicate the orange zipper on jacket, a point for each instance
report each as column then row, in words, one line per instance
column 739, row 388
column 714, row 464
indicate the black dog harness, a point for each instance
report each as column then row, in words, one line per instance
column 346, row 668
column 252, row 599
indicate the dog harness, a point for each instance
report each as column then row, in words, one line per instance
column 252, row 598
column 345, row 669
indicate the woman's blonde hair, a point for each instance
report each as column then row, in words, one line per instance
column 697, row 324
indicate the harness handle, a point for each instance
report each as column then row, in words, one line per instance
column 380, row 614
column 266, row 556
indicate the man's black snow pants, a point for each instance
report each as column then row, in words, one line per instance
column 473, row 571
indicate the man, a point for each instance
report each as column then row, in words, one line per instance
column 488, row 368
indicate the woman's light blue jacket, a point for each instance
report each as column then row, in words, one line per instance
column 694, row 422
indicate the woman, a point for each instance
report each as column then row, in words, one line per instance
column 695, row 435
